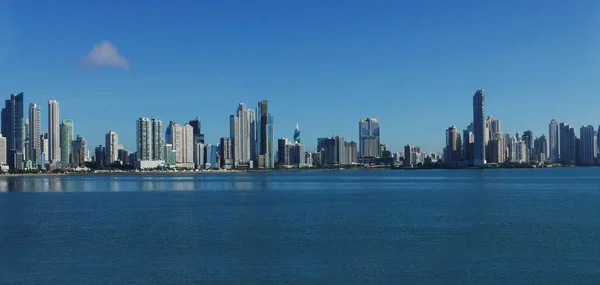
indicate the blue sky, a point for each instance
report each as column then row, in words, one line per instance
column 413, row 65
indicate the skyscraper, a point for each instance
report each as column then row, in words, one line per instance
column 351, row 152
column 329, row 151
column 100, row 155
column 240, row 134
column 541, row 151
column 565, row 143
column 79, row 151
column 281, row 151
column 111, row 147
column 297, row 134
column 587, row 153
column 253, row 150
column 497, row 148
column 199, row 155
column 198, row 136
column 174, row 137
column 479, row 129
column 53, row 132
column 468, row 140
column 3, row 152
column 553, row 140
column 66, row 141
column 211, row 156
column 368, row 137
column 494, row 126
column 35, row 145
column 226, row 153
column 453, row 144
column 528, row 140
column 269, row 155
column 187, row 145
column 149, row 139
column 45, row 142
column 157, row 140
column 13, row 124
column 341, row 151
column 262, row 112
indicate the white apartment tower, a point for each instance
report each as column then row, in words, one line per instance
column 35, row 144
column 187, row 143
column 53, row 131
column 240, row 135
column 112, row 147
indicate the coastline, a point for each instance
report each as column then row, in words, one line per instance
column 113, row 173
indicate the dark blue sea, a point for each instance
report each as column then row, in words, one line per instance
column 519, row 226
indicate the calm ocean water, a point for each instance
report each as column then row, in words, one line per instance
column 522, row 226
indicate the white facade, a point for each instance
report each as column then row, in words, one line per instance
column 35, row 145
column 112, row 147
column 240, row 134
column 187, row 143
column 2, row 150
column 53, row 131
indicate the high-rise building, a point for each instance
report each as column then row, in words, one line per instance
column 199, row 155
column 269, row 155
column 2, row 150
column 174, row 137
column 123, row 156
column 567, row 144
column 494, row 126
column 187, row 145
column 540, row 148
column 253, row 138
column 198, row 135
column 79, row 151
column 528, row 140
column 111, row 140
column 99, row 156
column 453, row 144
column 329, row 151
column 234, row 133
column 53, row 132
column 45, row 142
column 170, row 155
column 497, row 148
column 410, row 157
column 341, row 152
column 240, row 134
column 587, row 146
column 369, row 137
column 149, row 140
column 157, row 139
column 297, row 134
column 211, row 156
column 479, row 129
column 553, row 140
column 262, row 112
column 351, row 152
column 468, row 140
column 35, row 145
column 66, row 140
column 281, row 152
column 226, row 153
column 13, row 125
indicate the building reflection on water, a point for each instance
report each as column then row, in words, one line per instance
column 85, row 183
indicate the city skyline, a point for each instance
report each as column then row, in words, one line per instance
column 376, row 60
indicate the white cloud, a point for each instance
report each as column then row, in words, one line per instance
column 105, row 54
